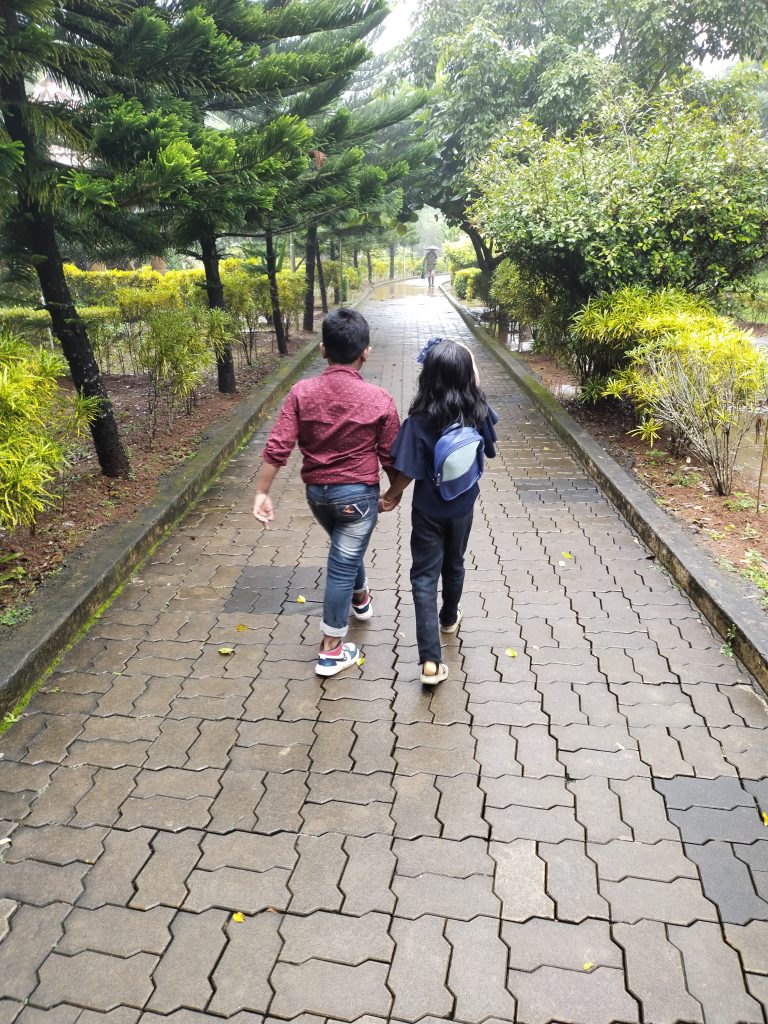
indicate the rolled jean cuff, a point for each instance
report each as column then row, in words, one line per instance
column 327, row 630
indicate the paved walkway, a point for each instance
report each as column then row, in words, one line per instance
column 566, row 830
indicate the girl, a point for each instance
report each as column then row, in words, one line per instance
column 448, row 393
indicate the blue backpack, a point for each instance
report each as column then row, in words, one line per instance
column 458, row 461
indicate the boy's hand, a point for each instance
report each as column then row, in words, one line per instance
column 388, row 503
column 263, row 508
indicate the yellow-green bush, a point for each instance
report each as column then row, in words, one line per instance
column 459, row 256
column 693, row 372
column 39, row 425
column 468, row 284
column 290, row 293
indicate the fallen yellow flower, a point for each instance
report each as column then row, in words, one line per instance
column 238, row 917
column 226, row 650
column 301, row 599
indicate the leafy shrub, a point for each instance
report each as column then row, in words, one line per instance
column 247, row 297
column 459, row 256
column 703, row 379
column 39, row 426
column 529, row 302
column 290, row 293
column 34, row 324
column 606, row 329
column 175, row 353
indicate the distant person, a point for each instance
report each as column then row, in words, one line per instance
column 428, row 267
column 441, row 445
column 344, row 427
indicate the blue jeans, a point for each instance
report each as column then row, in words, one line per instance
column 347, row 513
column 437, row 549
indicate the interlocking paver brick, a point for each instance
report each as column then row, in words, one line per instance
column 699, row 824
column 572, row 882
column 182, row 977
column 727, row 882
column 34, row 932
column 536, row 751
column 419, row 969
column 461, row 807
column 655, row 973
column 110, row 880
column 663, row 861
column 368, row 874
column 279, row 805
column 101, row 804
column 643, row 810
column 345, row 940
column 171, row 747
column 549, row 826
column 660, row 751
column 101, row 982
column 713, row 975
column 241, row 978
column 162, row 880
column 117, row 931
column 314, row 883
column 56, row 844
column 477, row 972
column 443, row 896
column 751, row 941
column 330, row 990
column 572, row 997
column 31, row 881
column 679, row 902
column 723, row 793
column 237, row 889
column 519, row 881
column 415, row 807
column 598, row 810
column 539, row 942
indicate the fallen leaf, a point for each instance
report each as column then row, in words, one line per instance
column 361, row 660
column 241, row 628
column 226, row 650
column 511, row 652
column 765, row 818
column 238, row 917
column 301, row 599
column 566, row 554
column 588, row 966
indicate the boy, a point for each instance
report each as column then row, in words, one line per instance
column 345, row 427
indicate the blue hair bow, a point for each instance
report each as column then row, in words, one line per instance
column 430, row 344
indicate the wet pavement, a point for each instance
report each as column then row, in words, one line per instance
column 568, row 829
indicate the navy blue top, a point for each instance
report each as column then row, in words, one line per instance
column 414, row 454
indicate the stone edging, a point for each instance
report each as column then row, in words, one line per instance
column 734, row 616
column 72, row 600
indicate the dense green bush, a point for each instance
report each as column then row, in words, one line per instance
column 656, row 193
column 40, row 423
column 470, row 284
column 525, row 302
column 458, row 256
column 691, row 371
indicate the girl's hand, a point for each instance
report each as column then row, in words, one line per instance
column 387, row 503
column 263, row 508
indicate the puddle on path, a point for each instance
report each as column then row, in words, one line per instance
column 407, row 289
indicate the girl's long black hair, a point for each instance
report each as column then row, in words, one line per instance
column 448, row 391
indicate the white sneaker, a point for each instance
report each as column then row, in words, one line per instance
column 337, row 659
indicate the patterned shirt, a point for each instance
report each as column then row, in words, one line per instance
column 344, row 426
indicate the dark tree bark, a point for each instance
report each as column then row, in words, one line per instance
column 309, row 271
column 36, row 225
column 485, row 258
column 225, row 363
column 392, row 250
column 355, row 257
column 336, row 291
column 321, row 279
column 274, row 298
column 369, row 262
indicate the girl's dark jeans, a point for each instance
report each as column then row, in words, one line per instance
column 437, row 550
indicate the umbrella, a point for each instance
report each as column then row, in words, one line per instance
column 428, row 247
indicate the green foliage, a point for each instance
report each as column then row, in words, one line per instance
column 39, row 425
column 175, row 352
column 290, row 290
column 659, row 193
column 459, row 256
column 606, row 329
column 10, row 569
column 470, row 284
column 529, row 302
column 697, row 375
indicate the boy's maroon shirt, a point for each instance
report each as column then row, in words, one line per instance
column 344, row 426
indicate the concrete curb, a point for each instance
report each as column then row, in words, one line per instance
column 734, row 616
column 73, row 599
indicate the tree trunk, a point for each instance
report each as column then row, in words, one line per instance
column 355, row 257
column 392, row 250
column 37, row 228
column 274, row 298
column 485, row 258
column 336, row 276
column 225, row 363
column 321, row 279
column 309, row 271
column 369, row 262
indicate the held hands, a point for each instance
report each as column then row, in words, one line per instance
column 387, row 503
column 263, row 508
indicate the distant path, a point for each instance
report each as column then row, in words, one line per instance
column 567, row 829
